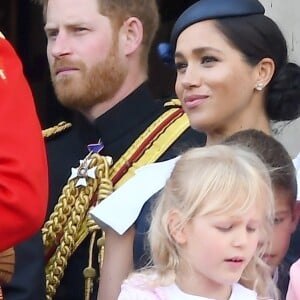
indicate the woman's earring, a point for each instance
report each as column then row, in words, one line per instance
column 259, row 86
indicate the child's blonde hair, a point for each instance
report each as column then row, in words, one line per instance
column 221, row 180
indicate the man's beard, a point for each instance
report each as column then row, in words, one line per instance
column 87, row 88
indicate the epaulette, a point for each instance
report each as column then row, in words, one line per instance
column 173, row 102
column 60, row 127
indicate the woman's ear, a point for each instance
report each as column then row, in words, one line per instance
column 131, row 35
column 176, row 228
column 265, row 71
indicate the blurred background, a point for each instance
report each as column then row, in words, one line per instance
column 21, row 22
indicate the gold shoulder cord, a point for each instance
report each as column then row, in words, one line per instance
column 49, row 132
column 69, row 224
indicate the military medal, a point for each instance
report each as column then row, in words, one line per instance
column 83, row 171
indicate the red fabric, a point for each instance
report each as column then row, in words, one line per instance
column 23, row 165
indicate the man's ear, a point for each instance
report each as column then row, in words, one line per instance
column 176, row 228
column 131, row 35
column 296, row 215
column 265, row 71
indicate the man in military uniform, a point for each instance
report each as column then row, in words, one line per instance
column 97, row 52
column 23, row 165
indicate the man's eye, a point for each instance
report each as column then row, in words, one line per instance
column 51, row 34
column 80, row 29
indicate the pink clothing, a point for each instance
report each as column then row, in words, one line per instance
column 293, row 292
column 137, row 288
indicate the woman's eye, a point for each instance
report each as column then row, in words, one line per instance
column 208, row 59
column 180, row 66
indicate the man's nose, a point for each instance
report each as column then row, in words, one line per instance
column 60, row 46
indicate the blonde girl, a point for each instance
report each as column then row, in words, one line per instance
column 209, row 230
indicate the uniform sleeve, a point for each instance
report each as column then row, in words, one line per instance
column 23, row 165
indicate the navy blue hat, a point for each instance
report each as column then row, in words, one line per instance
column 212, row 9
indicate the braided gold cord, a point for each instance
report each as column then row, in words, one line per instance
column 77, row 216
column 76, row 225
column 89, row 272
column 56, row 129
column 173, row 102
column 60, row 215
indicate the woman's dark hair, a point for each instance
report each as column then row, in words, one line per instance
column 258, row 37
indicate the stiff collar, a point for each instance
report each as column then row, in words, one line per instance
column 122, row 118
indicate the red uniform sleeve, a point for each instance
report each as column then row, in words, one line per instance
column 23, row 164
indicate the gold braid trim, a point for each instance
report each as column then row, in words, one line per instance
column 124, row 159
column 70, row 218
column 173, row 102
column 71, row 224
column 56, row 129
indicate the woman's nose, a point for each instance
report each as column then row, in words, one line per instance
column 191, row 78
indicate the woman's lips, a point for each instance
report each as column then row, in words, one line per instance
column 193, row 101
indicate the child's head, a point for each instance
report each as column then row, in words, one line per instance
column 284, row 184
column 214, row 210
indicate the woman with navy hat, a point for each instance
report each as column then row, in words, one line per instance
column 233, row 74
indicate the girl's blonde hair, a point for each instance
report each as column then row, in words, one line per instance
column 221, row 180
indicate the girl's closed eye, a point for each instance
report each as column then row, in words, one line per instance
column 224, row 227
column 251, row 228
